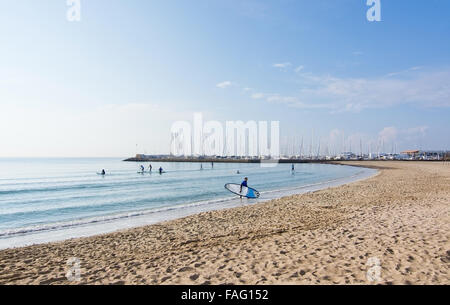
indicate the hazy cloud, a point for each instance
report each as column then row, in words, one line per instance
column 413, row 86
column 299, row 68
column 282, row 66
column 428, row 89
column 224, row 84
column 388, row 134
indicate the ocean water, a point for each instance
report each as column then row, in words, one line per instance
column 44, row 200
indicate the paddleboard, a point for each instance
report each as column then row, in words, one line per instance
column 246, row 191
column 101, row 174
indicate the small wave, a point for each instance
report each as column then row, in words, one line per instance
column 99, row 219
column 290, row 189
column 53, row 189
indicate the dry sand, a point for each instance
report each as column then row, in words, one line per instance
column 399, row 219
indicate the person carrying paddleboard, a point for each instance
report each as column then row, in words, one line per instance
column 244, row 183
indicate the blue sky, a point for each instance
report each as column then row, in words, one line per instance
column 124, row 73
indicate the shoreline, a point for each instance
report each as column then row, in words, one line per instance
column 144, row 218
column 401, row 216
column 284, row 160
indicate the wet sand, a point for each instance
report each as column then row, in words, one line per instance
column 393, row 228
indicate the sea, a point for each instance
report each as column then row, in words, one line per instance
column 53, row 199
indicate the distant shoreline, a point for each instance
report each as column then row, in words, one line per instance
column 257, row 161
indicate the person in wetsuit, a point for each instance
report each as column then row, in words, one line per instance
column 244, row 183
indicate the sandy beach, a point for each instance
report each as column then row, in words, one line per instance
column 393, row 228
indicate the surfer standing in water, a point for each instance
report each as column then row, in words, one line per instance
column 160, row 170
column 150, row 168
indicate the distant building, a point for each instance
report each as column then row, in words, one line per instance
column 411, row 153
column 432, row 155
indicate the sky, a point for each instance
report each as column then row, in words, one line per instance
column 113, row 83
